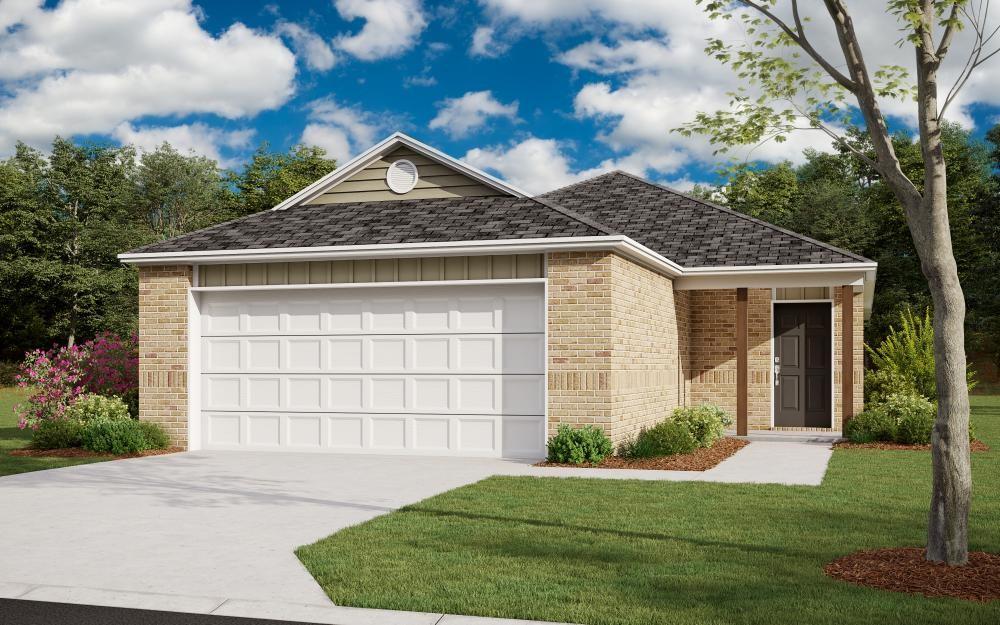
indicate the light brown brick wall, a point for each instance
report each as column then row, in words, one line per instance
column 713, row 352
column 616, row 353
column 859, row 355
column 163, row 348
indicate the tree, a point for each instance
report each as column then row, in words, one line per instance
column 179, row 193
column 271, row 177
column 799, row 87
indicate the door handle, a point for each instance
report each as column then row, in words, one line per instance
column 777, row 371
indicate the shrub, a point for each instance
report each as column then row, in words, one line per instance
column 872, row 425
column 111, row 368
column 55, row 377
column 909, row 353
column 57, row 434
column 707, row 423
column 8, row 373
column 579, row 445
column 122, row 436
column 666, row 438
column 92, row 407
column 915, row 428
column 882, row 383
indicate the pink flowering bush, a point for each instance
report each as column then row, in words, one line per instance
column 112, row 368
column 56, row 376
column 106, row 365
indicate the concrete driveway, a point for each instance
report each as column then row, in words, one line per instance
column 215, row 532
column 205, row 524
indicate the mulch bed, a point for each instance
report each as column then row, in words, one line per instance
column 977, row 445
column 78, row 452
column 904, row 569
column 698, row 460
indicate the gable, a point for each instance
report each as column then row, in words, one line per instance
column 434, row 180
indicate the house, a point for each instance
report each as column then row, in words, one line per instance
column 410, row 303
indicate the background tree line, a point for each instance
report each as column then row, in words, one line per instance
column 64, row 218
column 836, row 198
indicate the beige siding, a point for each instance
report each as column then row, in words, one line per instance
column 434, row 181
column 381, row 270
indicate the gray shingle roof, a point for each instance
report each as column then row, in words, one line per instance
column 387, row 222
column 688, row 231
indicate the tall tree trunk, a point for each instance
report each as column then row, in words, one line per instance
column 951, row 494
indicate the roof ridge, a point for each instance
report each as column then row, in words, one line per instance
column 744, row 216
column 587, row 221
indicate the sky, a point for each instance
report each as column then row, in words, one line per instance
column 539, row 92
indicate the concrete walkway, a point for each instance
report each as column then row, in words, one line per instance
column 215, row 532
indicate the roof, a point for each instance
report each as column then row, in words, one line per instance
column 683, row 230
column 689, row 231
column 385, row 222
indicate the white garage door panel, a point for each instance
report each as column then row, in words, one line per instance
column 425, row 370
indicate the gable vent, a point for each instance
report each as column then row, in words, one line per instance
column 402, row 176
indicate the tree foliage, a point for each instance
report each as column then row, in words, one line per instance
column 66, row 215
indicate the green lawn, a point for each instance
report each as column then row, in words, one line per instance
column 602, row 551
column 13, row 438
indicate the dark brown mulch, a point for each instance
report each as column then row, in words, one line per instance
column 904, row 569
column 77, row 452
column 977, row 445
column 698, row 460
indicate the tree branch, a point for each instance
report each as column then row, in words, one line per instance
column 949, row 32
column 798, row 36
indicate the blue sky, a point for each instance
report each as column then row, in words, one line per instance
column 541, row 92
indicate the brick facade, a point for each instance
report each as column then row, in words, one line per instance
column 163, row 350
column 859, row 355
column 617, row 343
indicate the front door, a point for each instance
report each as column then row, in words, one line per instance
column 802, row 365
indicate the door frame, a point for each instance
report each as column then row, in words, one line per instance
column 833, row 346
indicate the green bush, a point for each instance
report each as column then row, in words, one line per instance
column 707, row 423
column 57, row 434
column 882, row 383
column 122, row 436
column 908, row 352
column 579, row 445
column 666, row 438
column 93, row 407
column 872, row 425
column 915, row 428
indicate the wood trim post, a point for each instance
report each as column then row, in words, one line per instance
column 847, row 353
column 741, row 362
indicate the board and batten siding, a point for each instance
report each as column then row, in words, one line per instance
column 519, row 266
column 434, row 181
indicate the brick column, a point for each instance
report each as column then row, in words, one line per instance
column 847, row 353
column 741, row 362
column 163, row 350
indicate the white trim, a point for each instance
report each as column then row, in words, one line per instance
column 194, row 363
column 363, row 285
column 382, row 148
column 618, row 243
column 545, row 354
column 833, row 348
column 780, row 269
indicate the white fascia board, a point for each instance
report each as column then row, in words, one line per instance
column 779, row 269
column 621, row 244
column 379, row 150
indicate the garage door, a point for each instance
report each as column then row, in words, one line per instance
column 453, row 370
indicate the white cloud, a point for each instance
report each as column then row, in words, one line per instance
column 459, row 116
column 308, row 45
column 391, row 27
column 661, row 76
column 535, row 165
column 198, row 138
column 485, row 43
column 342, row 131
column 154, row 59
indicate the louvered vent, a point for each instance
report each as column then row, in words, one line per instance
column 402, row 176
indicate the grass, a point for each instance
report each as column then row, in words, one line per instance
column 630, row 552
column 13, row 438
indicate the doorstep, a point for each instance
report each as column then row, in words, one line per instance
column 327, row 614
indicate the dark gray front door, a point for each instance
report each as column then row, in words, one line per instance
column 802, row 365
